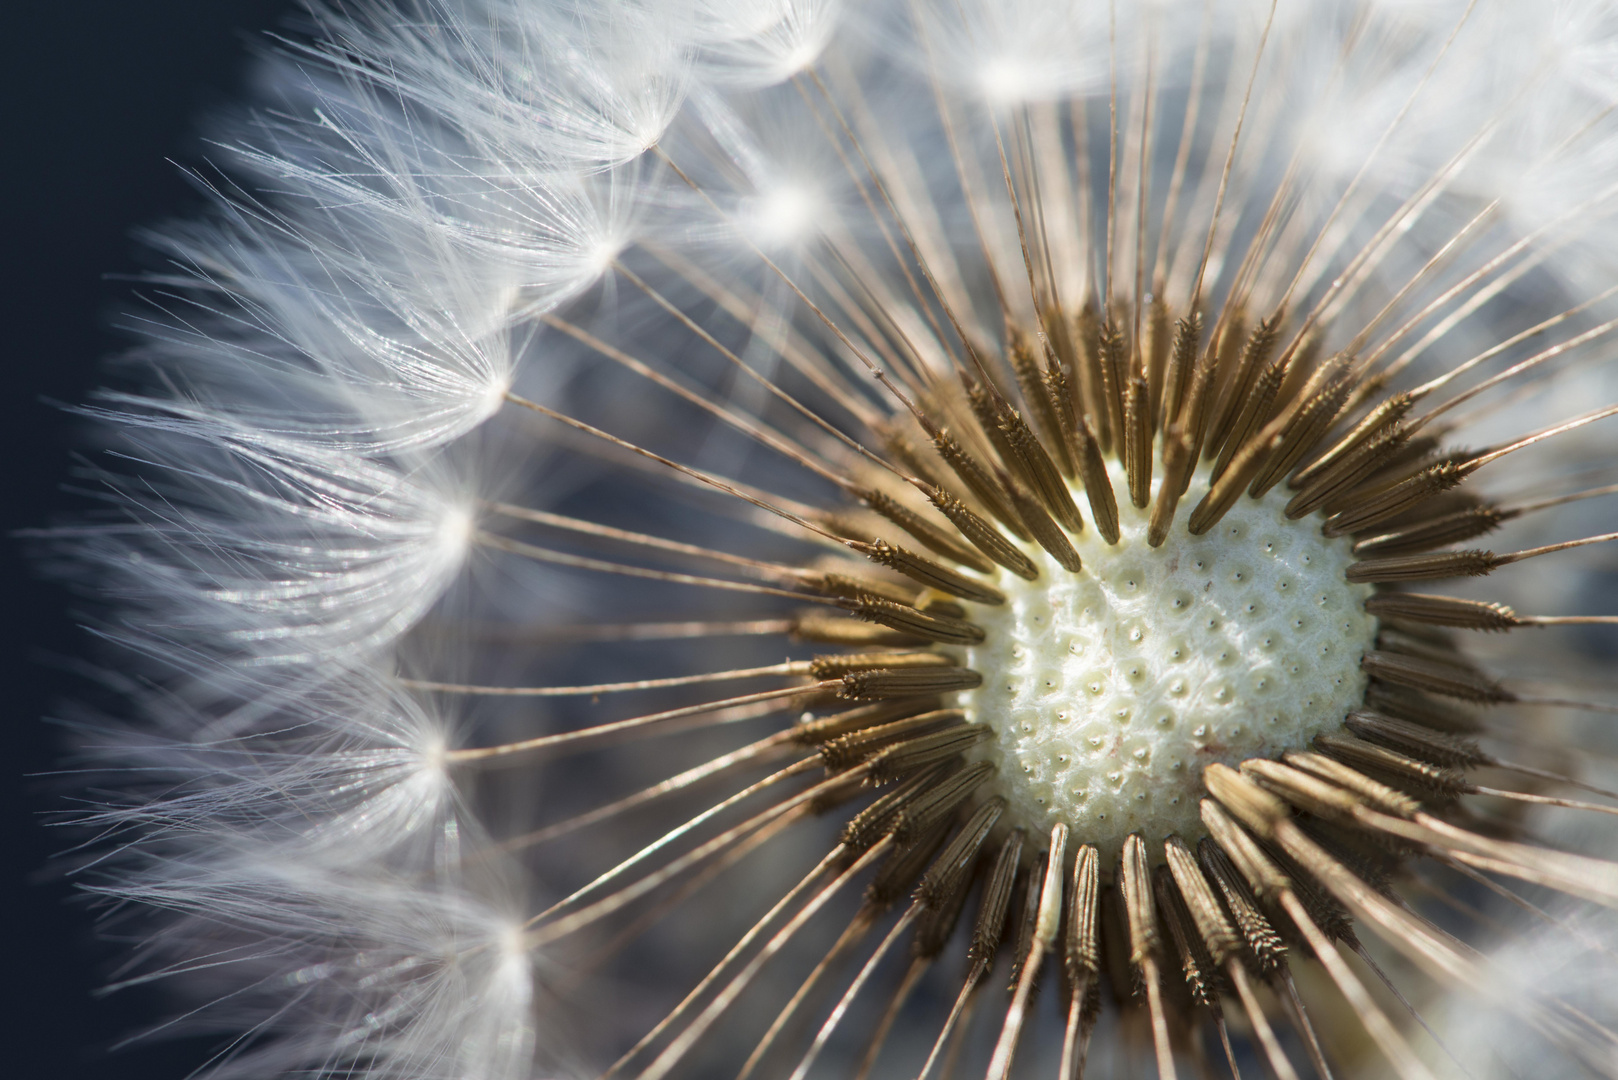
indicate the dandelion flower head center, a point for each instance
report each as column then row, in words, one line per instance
column 1112, row 689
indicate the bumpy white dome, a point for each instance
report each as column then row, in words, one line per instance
column 1113, row 688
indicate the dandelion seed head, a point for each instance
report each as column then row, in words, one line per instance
column 997, row 475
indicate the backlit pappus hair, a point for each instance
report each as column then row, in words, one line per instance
column 782, row 540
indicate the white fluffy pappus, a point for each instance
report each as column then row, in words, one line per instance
column 342, row 761
column 540, row 356
column 340, row 968
column 286, row 553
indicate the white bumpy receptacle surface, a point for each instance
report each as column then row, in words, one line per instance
column 1110, row 690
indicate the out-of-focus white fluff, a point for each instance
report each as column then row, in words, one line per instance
column 1567, row 958
column 343, row 969
column 757, row 44
column 421, row 181
column 1025, row 50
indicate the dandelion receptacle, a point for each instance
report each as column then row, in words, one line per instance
column 812, row 539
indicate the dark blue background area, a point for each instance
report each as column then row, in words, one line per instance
column 95, row 99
